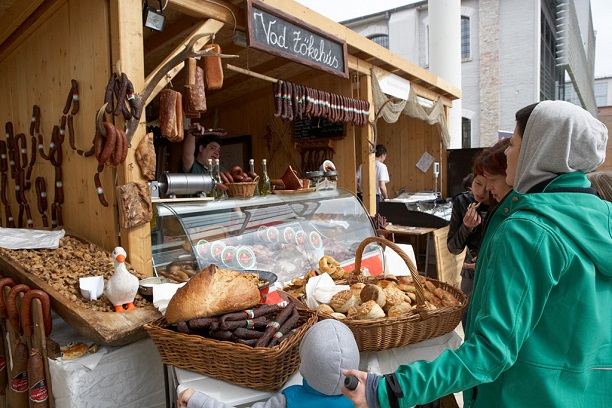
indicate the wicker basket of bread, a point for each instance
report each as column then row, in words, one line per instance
column 390, row 311
column 215, row 325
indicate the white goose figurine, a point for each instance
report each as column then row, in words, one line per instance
column 121, row 288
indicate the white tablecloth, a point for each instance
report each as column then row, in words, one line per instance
column 380, row 362
column 130, row 376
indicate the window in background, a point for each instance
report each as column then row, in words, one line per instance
column 380, row 39
column 466, row 133
column 465, row 38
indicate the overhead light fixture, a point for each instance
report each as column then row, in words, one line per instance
column 153, row 18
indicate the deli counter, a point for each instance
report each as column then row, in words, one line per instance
column 285, row 233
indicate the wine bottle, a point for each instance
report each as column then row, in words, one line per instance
column 252, row 171
column 211, row 173
column 219, row 192
column 264, row 180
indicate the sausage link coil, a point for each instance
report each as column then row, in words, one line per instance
column 11, row 305
column 26, row 311
column 4, row 282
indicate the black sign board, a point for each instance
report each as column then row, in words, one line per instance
column 317, row 128
column 281, row 34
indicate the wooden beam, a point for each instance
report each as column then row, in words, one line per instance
column 127, row 47
column 363, row 67
column 15, row 35
column 219, row 10
column 209, row 26
column 365, row 143
column 15, row 16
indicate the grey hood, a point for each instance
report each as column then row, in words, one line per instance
column 560, row 137
column 326, row 350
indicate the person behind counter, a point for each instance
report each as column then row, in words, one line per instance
column 327, row 348
column 539, row 321
column 602, row 182
column 196, row 154
column 382, row 176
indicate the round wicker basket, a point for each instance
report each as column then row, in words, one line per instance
column 241, row 189
column 390, row 332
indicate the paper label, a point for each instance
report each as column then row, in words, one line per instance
column 19, row 383
column 38, row 392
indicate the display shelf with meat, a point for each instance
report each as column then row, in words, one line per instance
column 282, row 234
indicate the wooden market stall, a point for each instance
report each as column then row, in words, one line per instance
column 47, row 44
column 57, row 58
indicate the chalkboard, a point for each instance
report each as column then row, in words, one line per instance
column 317, row 128
column 281, row 34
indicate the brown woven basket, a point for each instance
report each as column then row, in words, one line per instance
column 244, row 189
column 391, row 332
column 259, row 368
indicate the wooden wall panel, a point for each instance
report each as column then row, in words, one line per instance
column 406, row 141
column 71, row 44
column 254, row 115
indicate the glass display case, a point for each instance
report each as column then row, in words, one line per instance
column 286, row 234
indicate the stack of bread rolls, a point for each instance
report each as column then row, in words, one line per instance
column 389, row 296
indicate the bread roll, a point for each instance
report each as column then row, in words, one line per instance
column 356, row 289
column 211, row 292
column 373, row 292
column 400, row 309
column 74, row 350
column 394, row 297
column 368, row 310
column 325, row 309
column 343, row 301
column 386, row 283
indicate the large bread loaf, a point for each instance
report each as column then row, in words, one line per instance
column 211, row 292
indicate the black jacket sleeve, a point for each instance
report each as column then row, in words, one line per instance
column 458, row 234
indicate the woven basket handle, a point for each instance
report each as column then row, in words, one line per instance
column 420, row 297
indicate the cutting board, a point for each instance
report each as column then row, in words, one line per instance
column 103, row 328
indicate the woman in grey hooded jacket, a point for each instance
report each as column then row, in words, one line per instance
column 326, row 350
column 539, row 327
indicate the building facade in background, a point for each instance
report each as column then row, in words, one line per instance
column 513, row 53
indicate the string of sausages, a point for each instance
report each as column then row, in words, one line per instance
column 122, row 89
column 14, row 156
column 294, row 101
column 263, row 326
column 28, row 373
column 41, row 198
column 10, row 159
